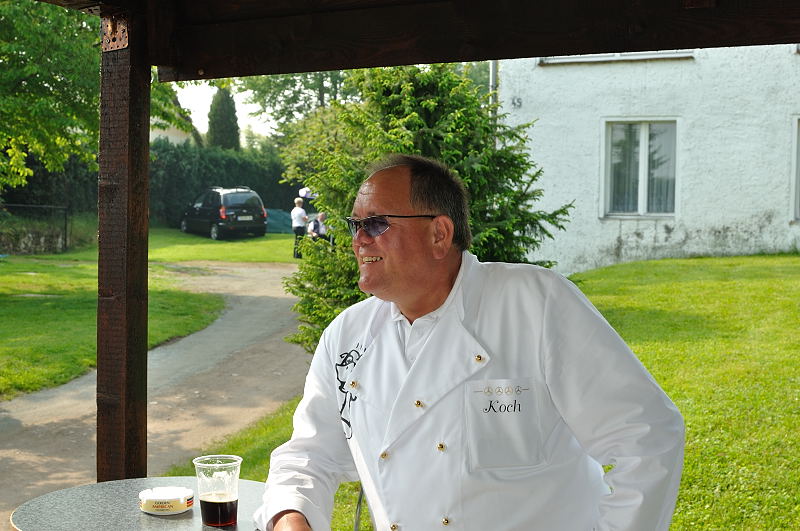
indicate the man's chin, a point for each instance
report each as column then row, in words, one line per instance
column 363, row 285
column 369, row 288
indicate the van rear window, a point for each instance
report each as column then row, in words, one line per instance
column 241, row 199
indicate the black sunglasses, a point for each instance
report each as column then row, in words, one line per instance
column 376, row 225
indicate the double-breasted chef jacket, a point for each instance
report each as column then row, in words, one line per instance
column 496, row 411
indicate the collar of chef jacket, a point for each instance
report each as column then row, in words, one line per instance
column 450, row 357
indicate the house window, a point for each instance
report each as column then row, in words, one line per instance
column 640, row 167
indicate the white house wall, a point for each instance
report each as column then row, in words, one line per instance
column 736, row 111
column 172, row 134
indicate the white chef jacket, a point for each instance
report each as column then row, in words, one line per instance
column 515, row 397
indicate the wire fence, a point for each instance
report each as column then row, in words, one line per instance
column 33, row 229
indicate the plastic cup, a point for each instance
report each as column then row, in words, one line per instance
column 218, row 488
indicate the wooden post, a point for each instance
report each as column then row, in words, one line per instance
column 122, row 260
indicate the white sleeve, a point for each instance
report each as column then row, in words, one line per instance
column 305, row 471
column 617, row 412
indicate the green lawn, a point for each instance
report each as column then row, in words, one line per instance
column 48, row 312
column 48, row 304
column 171, row 245
column 721, row 336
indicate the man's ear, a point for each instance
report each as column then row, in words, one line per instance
column 442, row 231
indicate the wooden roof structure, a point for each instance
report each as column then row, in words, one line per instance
column 204, row 39
column 200, row 39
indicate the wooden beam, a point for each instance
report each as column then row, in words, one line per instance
column 445, row 31
column 122, row 260
column 97, row 7
column 161, row 16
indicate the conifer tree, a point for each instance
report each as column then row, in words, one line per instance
column 223, row 126
column 436, row 111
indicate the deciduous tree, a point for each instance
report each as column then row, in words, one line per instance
column 50, row 89
column 290, row 97
column 49, row 86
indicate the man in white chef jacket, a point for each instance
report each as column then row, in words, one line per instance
column 467, row 395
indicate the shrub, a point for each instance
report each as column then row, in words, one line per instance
column 434, row 111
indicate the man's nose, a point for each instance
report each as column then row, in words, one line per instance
column 362, row 237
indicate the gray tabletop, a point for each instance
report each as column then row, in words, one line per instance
column 114, row 505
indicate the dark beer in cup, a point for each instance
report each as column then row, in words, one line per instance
column 218, row 488
column 218, row 509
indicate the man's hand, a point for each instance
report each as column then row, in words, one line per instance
column 290, row 521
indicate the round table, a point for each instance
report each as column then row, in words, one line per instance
column 115, row 505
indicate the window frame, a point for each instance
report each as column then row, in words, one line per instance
column 605, row 167
column 794, row 196
column 655, row 55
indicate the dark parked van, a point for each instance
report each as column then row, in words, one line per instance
column 221, row 211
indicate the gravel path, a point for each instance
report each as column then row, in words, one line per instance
column 200, row 388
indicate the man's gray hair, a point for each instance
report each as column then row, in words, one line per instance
column 434, row 189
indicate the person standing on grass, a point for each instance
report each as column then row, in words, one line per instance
column 468, row 395
column 299, row 220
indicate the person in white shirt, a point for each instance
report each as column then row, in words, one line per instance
column 468, row 395
column 299, row 220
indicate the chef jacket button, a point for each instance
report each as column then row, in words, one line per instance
column 384, row 454
column 445, row 521
column 440, row 447
column 394, row 527
column 478, row 358
column 353, row 384
column 418, row 403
